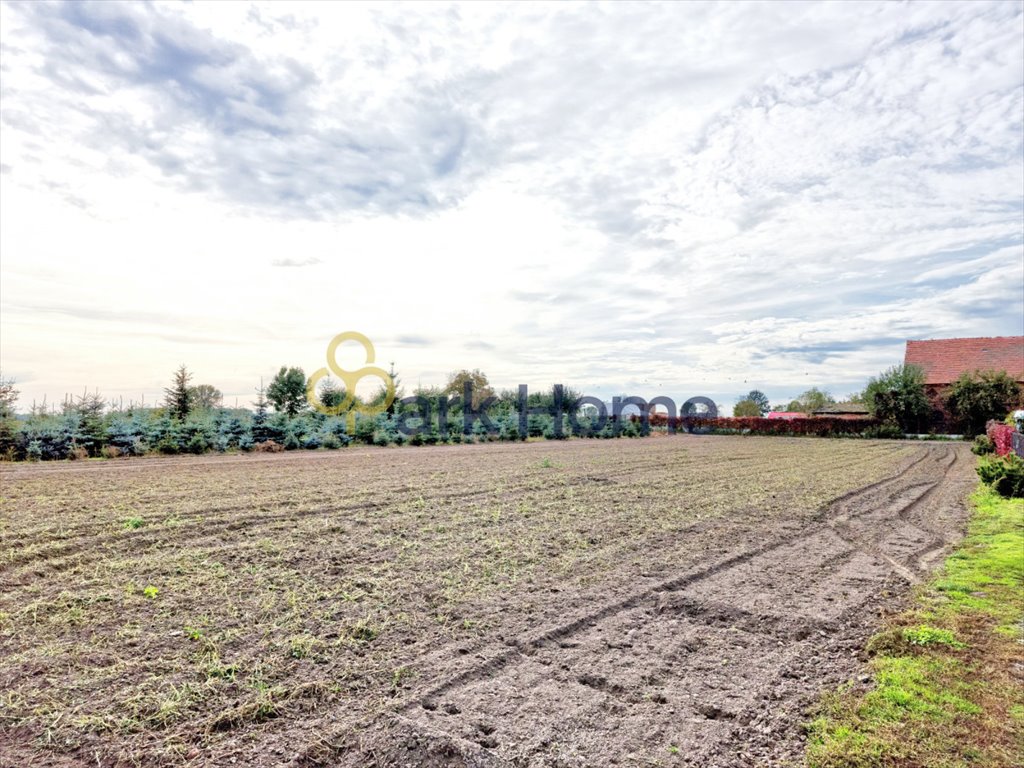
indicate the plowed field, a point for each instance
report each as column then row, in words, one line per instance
column 666, row 601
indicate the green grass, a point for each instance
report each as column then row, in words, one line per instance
column 945, row 692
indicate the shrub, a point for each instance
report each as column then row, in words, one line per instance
column 127, row 434
column 48, row 438
column 111, row 452
column 976, row 397
column 1004, row 474
column 983, row 445
column 331, row 442
column 897, row 395
column 1001, row 437
column 889, row 431
column 77, row 452
column 198, row 444
column 365, row 428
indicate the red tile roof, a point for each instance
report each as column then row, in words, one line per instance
column 943, row 360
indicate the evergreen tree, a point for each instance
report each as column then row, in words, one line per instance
column 91, row 431
column 331, row 394
column 179, row 395
column 260, row 431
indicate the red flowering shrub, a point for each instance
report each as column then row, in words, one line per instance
column 1001, row 436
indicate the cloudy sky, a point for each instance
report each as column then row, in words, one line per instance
column 673, row 199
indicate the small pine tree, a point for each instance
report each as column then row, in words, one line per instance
column 180, row 395
column 260, row 432
column 91, row 431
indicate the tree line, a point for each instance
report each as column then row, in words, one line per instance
column 899, row 399
column 193, row 419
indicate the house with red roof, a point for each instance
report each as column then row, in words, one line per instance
column 944, row 360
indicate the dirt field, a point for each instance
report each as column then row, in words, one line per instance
column 668, row 601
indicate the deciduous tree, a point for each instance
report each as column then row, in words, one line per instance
column 897, row 396
column 206, row 396
column 812, row 400
column 976, row 397
column 758, row 398
column 478, row 379
column 746, row 408
column 287, row 390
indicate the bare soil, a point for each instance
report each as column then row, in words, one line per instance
column 668, row 601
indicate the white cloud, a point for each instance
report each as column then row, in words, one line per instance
column 685, row 198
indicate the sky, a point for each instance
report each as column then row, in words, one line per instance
column 649, row 199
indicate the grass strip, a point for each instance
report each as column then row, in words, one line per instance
column 947, row 683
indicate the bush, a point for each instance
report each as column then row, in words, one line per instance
column 365, row 428
column 1001, row 437
column 976, row 397
column 983, row 445
column 884, row 432
column 198, row 443
column 897, row 395
column 47, row 438
column 127, row 434
column 331, row 442
column 1004, row 474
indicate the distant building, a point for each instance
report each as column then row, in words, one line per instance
column 844, row 411
column 786, row 415
column 944, row 360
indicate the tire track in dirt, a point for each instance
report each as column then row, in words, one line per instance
column 718, row 661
